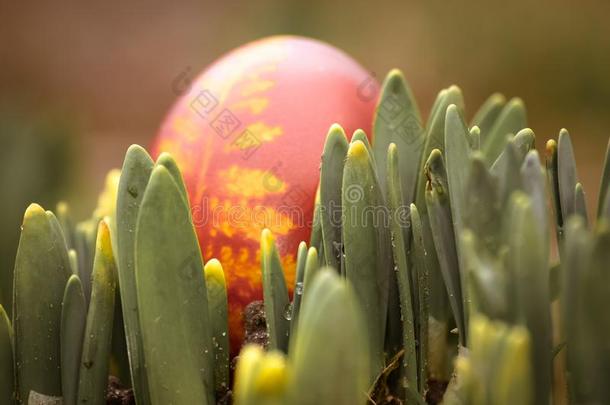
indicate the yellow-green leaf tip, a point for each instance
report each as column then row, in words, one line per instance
column 249, row 358
column 214, row 272
column 164, row 156
column 551, row 147
column 335, row 127
column 498, row 98
column 395, row 81
column 103, row 242
column 271, row 378
column 267, row 240
column 454, row 89
column 357, row 150
column 517, row 102
column 453, row 109
column 33, row 210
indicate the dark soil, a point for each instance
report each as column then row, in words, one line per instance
column 118, row 394
column 255, row 324
column 224, row 397
column 436, row 390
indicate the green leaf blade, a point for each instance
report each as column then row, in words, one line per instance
column 397, row 120
column 402, row 269
column 332, row 320
column 366, row 245
column 73, row 321
column 275, row 293
column 331, row 177
column 42, row 269
column 219, row 315
column 171, row 288
column 512, row 119
column 93, row 375
column 135, row 174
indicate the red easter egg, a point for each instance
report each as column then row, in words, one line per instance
column 248, row 135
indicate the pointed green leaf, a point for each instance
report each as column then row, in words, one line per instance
column 420, row 273
column 331, row 177
column 439, row 306
column 488, row 113
column 528, row 263
column 441, row 223
column 532, row 175
column 435, row 106
column 394, row 338
column 316, row 226
column 457, row 154
column 311, row 268
column 482, row 211
column 332, row 320
column 73, row 320
column 135, row 174
column 474, row 138
column 596, row 324
column 248, row 366
column 360, row 135
column 166, row 160
column 552, row 172
column 435, row 139
column 299, row 283
column 486, row 283
column 523, row 142
column 580, row 203
column 73, row 258
column 275, row 293
column 575, row 266
column 508, row 171
column 42, row 269
column 398, row 218
column 271, row 382
column 171, row 290
column 58, row 231
column 496, row 369
column 511, row 120
column 93, row 375
column 219, row 320
column 567, row 176
column 261, row 378
column 368, row 260
column 397, row 120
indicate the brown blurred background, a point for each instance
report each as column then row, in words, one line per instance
column 80, row 81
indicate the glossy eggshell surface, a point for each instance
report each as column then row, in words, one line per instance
column 248, row 134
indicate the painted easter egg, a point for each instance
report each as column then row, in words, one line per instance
column 248, row 134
